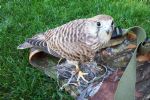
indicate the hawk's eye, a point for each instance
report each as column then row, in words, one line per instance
column 112, row 23
column 98, row 24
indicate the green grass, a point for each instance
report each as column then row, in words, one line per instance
column 20, row 19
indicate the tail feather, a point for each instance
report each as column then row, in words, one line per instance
column 36, row 41
column 32, row 43
column 25, row 45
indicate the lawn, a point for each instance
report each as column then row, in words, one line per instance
column 20, row 19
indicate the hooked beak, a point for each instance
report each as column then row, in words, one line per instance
column 108, row 32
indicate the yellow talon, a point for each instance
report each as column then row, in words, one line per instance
column 81, row 74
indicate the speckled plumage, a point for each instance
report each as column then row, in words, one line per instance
column 76, row 40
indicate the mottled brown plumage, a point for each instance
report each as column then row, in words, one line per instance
column 76, row 40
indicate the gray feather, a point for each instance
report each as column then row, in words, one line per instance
column 43, row 45
column 36, row 43
column 25, row 45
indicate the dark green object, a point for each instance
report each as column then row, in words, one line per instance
column 126, row 86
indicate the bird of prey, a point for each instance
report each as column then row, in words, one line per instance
column 77, row 41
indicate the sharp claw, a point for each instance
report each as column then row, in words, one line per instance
column 80, row 75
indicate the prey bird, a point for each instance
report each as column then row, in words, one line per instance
column 77, row 41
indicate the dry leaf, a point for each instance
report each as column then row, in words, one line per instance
column 143, row 58
column 131, row 35
column 131, row 46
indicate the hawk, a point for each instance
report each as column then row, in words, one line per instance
column 77, row 41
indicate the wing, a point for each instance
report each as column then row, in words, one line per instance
column 66, row 40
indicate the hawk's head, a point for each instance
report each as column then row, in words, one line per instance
column 100, row 28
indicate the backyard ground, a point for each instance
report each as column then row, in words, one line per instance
column 20, row 19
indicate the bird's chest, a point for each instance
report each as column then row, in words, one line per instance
column 95, row 46
column 93, row 43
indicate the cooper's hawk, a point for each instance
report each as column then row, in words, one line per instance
column 77, row 41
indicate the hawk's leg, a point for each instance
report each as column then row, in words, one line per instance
column 80, row 74
column 78, row 71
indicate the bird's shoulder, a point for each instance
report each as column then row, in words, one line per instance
column 71, row 24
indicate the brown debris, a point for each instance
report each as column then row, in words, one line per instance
column 143, row 58
column 131, row 35
column 131, row 46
